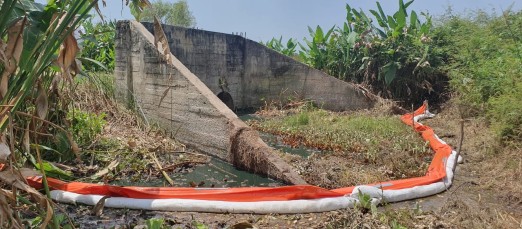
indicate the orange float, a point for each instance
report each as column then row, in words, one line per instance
column 285, row 199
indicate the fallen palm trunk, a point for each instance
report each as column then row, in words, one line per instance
column 286, row 199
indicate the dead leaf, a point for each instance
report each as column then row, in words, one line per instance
column 164, row 95
column 3, row 47
column 97, row 8
column 76, row 66
column 8, row 177
column 48, row 216
column 106, row 170
column 54, row 84
column 132, row 144
column 4, row 83
column 4, row 152
column 27, row 140
column 15, row 40
column 67, row 56
column 160, row 40
column 42, row 104
column 74, row 146
column 98, row 208
column 11, row 53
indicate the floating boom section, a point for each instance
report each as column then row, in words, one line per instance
column 263, row 200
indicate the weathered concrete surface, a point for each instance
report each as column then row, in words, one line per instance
column 253, row 74
column 172, row 96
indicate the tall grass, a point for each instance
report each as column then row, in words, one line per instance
column 485, row 66
column 37, row 64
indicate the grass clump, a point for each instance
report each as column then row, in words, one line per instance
column 506, row 115
column 357, row 148
column 85, row 126
column 362, row 133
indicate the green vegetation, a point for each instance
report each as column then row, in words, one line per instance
column 97, row 46
column 394, row 54
column 485, row 66
column 155, row 223
column 37, row 66
column 85, row 125
column 172, row 13
column 277, row 44
column 370, row 135
column 32, row 38
column 404, row 57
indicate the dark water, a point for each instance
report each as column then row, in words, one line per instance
column 277, row 142
column 219, row 173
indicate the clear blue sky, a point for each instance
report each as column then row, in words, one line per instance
column 264, row 19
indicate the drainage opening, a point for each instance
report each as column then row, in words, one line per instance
column 226, row 98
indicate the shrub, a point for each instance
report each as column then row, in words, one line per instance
column 485, row 66
column 85, row 126
column 97, row 44
column 505, row 114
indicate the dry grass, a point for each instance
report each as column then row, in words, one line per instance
column 127, row 139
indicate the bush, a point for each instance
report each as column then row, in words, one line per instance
column 505, row 114
column 484, row 55
column 97, row 44
column 485, row 67
column 85, row 126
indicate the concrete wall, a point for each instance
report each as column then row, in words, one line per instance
column 254, row 73
column 171, row 95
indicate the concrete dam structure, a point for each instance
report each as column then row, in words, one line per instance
column 192, row 91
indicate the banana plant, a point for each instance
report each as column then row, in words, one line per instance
column 277, row 45
column 315, row 52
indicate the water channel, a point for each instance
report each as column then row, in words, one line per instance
column 218, row 173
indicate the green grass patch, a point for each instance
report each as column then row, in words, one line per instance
column 363, row 133
column 485, row 66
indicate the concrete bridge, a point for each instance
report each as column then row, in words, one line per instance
column 193, row 91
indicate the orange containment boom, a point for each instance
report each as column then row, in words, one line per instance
column 285, row 199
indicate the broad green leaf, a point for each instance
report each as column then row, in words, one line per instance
column 346, row 28
column 349, row 15
column 408, row 4
column 401, row 19
column 383, row 15
column 382, row 33
column 379, row 19
column 100, row 64
column 311, row 31
column 154, row 223
column 352, row 37
column 389, row 70
column 365, row 18
column 392, row 23
column 413, row 20
column 401, row 7
column 319, row 35
column 357, row 14
column 200, row 225
column 327, row 35
column 50, row 169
